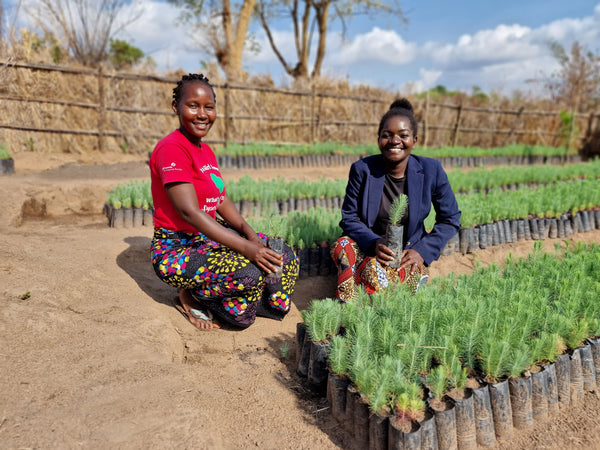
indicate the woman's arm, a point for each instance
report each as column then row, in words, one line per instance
column 447, row 219
column 184, row 199
column 231, row 215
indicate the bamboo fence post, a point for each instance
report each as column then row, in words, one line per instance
column 426, row 120
column 312, row 113
column 101, row 109
column 457, row 124
column 496, row 123
column 226, row 129
column 318, row 117
column 570, row 138
column 515, row 123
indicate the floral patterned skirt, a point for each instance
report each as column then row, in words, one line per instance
column 223, row 281
column 355, row 269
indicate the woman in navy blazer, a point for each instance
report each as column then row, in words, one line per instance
column 361, row 255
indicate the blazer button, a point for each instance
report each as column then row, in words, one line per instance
column 408, row 243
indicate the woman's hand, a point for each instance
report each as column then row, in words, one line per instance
column 383, row 253
column 256, row 239
column 265, row 258
column 413, row 260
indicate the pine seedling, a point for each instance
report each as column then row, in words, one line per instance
column 437, row 381
column 495, row 359
column 458, row 374
column 4, row 153
column 397, row 209
column 332, row 316
column 386, row 339
column 364, row 376
column 379, row 399
column 519, row 362
column 338, row 355
column 324, row 318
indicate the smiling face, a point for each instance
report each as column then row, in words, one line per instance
column 196, row 110
column 396, row 142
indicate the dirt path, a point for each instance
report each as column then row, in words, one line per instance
column 95, row 356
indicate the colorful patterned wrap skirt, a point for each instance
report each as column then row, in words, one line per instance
column 223, row 281
column 355, row 269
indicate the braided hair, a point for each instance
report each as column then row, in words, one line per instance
column 191, row 78
column 400, row 107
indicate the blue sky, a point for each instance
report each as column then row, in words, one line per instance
column 496, row 45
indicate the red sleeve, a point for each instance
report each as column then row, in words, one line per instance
column 173, row 164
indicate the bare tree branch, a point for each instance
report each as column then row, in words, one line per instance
column 85, row 26
column 317, row 14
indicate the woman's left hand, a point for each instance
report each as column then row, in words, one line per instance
column 411, row 260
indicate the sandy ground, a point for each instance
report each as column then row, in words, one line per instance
column 95, row 356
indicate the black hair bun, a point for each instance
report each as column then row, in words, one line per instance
column 401, row 103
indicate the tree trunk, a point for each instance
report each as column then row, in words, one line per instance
column 235, row 45
column 322, row 12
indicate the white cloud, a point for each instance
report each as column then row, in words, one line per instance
column 384, row 46
column 504, row 43
column 161, row 35
column 508, row 56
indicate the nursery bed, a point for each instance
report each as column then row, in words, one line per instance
column 97, row 353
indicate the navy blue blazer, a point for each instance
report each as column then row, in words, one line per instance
column 427, row 184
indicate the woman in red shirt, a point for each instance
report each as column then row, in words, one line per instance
column 218, row 264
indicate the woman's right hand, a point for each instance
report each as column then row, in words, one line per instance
column 265, row 258
column 383, row 253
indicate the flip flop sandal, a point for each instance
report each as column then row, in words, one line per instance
column 197, row 314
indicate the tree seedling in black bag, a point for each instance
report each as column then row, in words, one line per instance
column 395, row 232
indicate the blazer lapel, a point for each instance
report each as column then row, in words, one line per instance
column 375, row 191
column 415, row 178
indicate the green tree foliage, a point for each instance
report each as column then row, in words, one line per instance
column 123, row 55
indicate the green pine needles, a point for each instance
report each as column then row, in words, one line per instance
column 496, row 323
column 398, row 209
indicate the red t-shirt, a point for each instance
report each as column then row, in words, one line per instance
column 175, row 159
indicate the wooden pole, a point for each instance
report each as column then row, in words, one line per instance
column 101, row 109
column 457, row 124
column 312, row 114
column 515, row 123
column 226, row 130
column 426, row 121
column 570, row 138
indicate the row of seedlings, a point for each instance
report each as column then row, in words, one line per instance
column 284, row 161
column 552, row 211
column 329, row 160
column 280, row 196
column 255, row 197
column 130, row 205
column 264, row 155
column 466, row 360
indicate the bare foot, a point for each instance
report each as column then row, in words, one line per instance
column 200, row 319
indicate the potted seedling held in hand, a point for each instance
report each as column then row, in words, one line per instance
column 394, row 235
column 275, row 243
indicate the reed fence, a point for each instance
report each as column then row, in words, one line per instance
column 64, row 109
